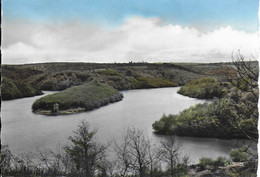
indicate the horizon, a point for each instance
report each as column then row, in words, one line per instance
column 115, row 31
column 137, row 62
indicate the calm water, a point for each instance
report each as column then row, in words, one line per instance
column 25, row 131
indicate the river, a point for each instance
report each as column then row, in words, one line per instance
column 23, row 131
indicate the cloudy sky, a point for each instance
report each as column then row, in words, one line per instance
column 128, row 30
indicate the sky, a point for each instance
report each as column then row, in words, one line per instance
column 128, row 30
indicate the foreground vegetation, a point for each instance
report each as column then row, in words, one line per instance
column 135, row 155
column 88, row 96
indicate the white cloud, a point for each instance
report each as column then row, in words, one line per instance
column 138, row 39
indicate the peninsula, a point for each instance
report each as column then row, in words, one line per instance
column 89, row 96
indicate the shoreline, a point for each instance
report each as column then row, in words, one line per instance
column 62, row 112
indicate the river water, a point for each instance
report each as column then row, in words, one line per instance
column 23, row 131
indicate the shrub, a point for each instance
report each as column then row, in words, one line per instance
column 203, row 88
column 204, row 162
column 63, row 80
column 209, row 162
column 151, row 82
column 238, row 155
column 109, row 72
column 242, row 83
column 221, row 161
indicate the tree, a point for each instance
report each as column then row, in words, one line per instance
column 123, row 159
column 85, row 153
column 246, row 100
column 169, row 153
column 136, row 154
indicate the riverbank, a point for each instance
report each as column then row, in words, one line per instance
column 248, row 168
column 63, row 112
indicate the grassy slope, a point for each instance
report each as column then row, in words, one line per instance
column 88, row 96
column 14, row 84
column 12, row 89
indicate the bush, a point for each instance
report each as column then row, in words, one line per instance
column 151, row 82
column 221, row 161
column 63, row 80
column 204, row 88
column 209, row 162
column 238, row 155
column 206, row 161
column 109, row 72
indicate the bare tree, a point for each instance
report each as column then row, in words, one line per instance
column 246, row 97
column 123, row 155
column 169, row 153
column 154, row 163
column 136, row 155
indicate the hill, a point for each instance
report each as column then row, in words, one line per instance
column 121, row 76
